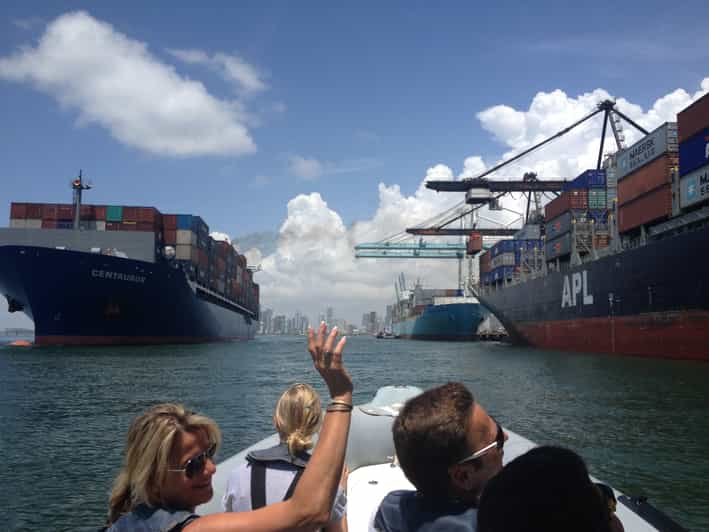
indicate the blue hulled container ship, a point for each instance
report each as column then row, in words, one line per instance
column 123, row 275
column 436, row 314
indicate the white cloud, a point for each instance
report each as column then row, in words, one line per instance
column 28, row 23
column 313, row 265
column 306, row 168
column 221, row 237
column 231, row 67
column 114, row 81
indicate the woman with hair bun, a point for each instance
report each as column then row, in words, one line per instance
column 271, row 475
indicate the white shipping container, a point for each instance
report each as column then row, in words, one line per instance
column 647, row 149
column 503, row 259
column 186, row 237
column 18, row 224
column 100, row 225
column 33, row 224
column 183, row 252
column 694, row 187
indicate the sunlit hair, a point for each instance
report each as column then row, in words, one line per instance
column 297, row 417
column 148, row 446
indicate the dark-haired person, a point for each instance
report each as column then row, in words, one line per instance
column 169, row 464
column 547, row 488
column 448, row 447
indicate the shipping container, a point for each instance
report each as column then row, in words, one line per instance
column 611, row 197
column 100, row 225
column 694, row 152
column 65, row 212
column 502, row 273
column 33, row 223
column 601, row 241
column 646, row 179
column 49, row 224
column 100, row 211
column 474, row 244
column 18, row 211
column 588, row 179
column 130, row 214
column 87, row 212
column 503, row 246
column 533, row 231
column 114, row 213
column 170, row 237
column 655, row 144
column 65, row 224
column 652, row 207
column 169, row 221
column 562, row 223
column 50, row 211
column 18, row 223
column 571, row 199
column 597, row 198
column 113, row 226
column 694, row 188
column 186, row 236
column 183, row 252
column 693, row 118
column 503, row 259
column 599, row 217
column 128, row 226
column 146, row 226
column 34, row 211
column 558, row 247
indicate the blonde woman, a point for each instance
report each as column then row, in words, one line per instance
column 271, row 475
column 169, row 464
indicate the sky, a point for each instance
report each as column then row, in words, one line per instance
column 301, row 129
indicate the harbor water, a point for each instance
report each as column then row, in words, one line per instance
column 640, row 424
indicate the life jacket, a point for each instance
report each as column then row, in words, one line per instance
column 259, row 461
column 143, row 518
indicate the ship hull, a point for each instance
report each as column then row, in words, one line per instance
column 649, row 301
column 77, row 298
column 451, row 322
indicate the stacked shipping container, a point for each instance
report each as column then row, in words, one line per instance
column 583, row 201
column 693, row 129
column 645, row 178
column 213, row 264
column 508, row 257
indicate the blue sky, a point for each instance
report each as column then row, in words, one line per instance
column 319, row 98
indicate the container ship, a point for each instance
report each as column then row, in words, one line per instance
column 622, row 267
column 435, row 314
column 102, row 275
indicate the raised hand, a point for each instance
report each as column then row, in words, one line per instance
column 327, row 359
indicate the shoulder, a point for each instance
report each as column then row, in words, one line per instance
column 146, row 519
column 405, row 510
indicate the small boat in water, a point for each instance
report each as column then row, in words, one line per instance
column 374, row 471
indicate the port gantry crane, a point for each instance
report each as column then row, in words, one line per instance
column 481, row 191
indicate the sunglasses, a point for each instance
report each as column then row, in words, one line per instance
column 195, row 465
column 499, row 443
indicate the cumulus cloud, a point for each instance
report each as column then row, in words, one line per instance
column 313, row 264
column 305, row 168
column 246, row 78
column 114, row 81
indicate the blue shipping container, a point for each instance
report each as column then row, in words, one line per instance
column 588, row 179
column 184, row 222
column 599, row 216
column 503, row 246
column 694, row 152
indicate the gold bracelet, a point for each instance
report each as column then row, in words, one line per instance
column 339, row 406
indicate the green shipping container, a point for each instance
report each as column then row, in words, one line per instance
column 114, row 213
column 597, row 198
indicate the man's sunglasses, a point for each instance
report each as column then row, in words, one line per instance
column 499, row 443
column 195, row 465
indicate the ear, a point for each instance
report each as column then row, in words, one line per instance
column 462, row 476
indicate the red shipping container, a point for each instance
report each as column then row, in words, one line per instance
column 50, row 211
column 693, row 119
column 169, row 221
column 647, row 178
column 18, row 211
column 88, row 212
column 222, row 248
column 203, row 258
column 475, row 243
column 100, row 212
column 65, row 212
column 130, row 214
column 145, row 226
column 34, row 211
column 147, row 214
column 221, row 265
column 170, row 237
column 571, row 199
column 128, row 226
column 113, row 226
column 654, row 206
column 49, row 224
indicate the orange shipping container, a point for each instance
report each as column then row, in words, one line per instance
column 571, row 199
column 100, row 212
column 646, row 179
column 651, row 207
column 34, row 211
column 170, row 236
column 50, row 211
column 18, row 211
column 169, row 221
column 65, row 212
column 130, row 214
column 693, row 119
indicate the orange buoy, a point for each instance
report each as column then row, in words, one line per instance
column 21, row 343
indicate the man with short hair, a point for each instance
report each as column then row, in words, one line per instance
column 448, row 447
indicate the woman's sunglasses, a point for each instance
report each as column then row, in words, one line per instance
column 499, row 443
column 195, row 465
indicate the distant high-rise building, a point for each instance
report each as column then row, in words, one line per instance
column 279, row 324
column 329, row 316
column 267, row 321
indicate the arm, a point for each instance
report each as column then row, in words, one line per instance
column 340, row 525
column 310, row 506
